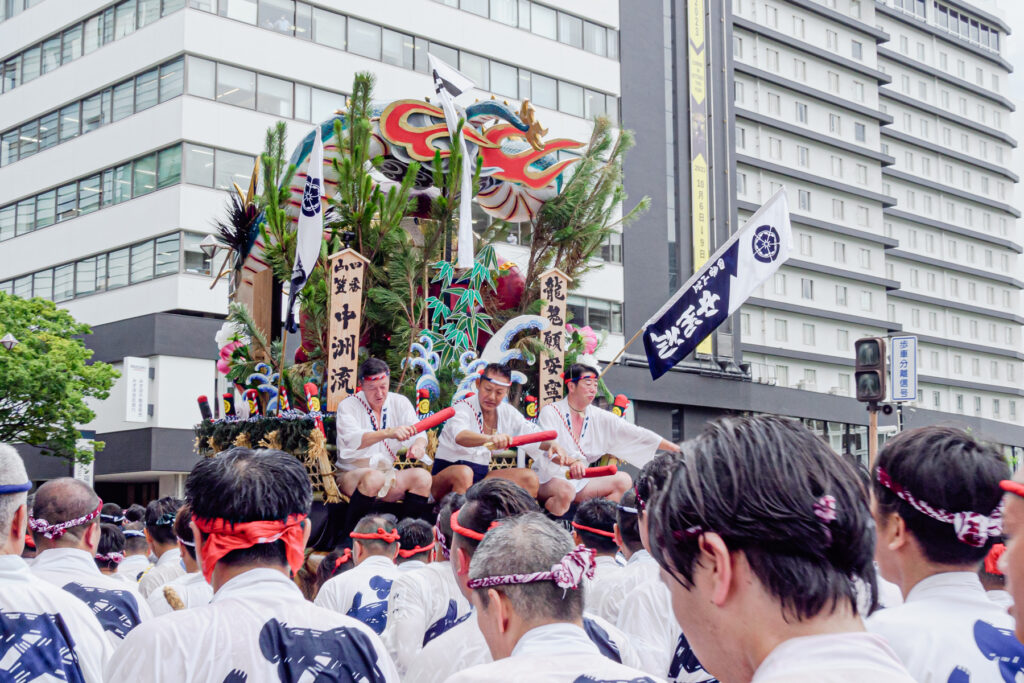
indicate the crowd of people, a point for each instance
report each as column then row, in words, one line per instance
column 752, row 553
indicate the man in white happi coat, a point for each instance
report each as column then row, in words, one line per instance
column 47, row 634
column 762, row 533
column 250, row 514
column 427, row 602
column 373, row 425
column 136, row 554
column 640, row 567
column 588, row 433
column 594, row 527
column 527, row 583
column 483, row 423
column 190, row 589
column 162, row 544
column 66, row 528
column 936, row 501
column 415, row 545
column 362, row 592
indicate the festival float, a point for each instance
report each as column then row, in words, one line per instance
column 397, row 271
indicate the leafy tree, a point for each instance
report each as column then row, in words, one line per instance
column 45, row 379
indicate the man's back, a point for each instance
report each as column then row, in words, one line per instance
column 258, row 628
column 362, row 592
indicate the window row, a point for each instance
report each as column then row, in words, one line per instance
column 600, row 314
column 11, row 8
column 780, row 287
column 177, row 252
column 205, row 166
column 968, row 29
column 926, row 94
column 953, row 212
column 130, row 96
column 914, row 280
column 410, row 52
column 113, row 23
column 773, row 106
column 927, row 129
column 521, row 234
column 546, row 22
column 956, row 327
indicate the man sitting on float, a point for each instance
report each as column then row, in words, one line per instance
column 483, row 424
column 373, row 425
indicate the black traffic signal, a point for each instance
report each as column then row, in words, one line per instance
column 870, row 369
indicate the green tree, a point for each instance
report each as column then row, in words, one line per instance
column 45, row 379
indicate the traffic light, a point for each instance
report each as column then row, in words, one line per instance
column 869, row 373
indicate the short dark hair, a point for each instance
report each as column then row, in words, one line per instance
column 946, row 468
column 64, row 499
column 653, row 476
column 246, row 485
column 759, row 483
column 497, row 369
column 629, row 522
column 449, row 504
column 414, row 533
column 371, row 367
column 183, row 529
column 111, row 541
column 112, row 513
column 576, row 370
column 134, row 513
column 597, row 513
column 330, row 566
column 368, row 525
column 160, row 515
column 135, row 544
column 488, row 501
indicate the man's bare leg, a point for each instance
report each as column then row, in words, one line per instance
column 611, row 487
column 557, row 495
column 456, row 478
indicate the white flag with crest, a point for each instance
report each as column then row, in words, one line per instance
column 310, row 231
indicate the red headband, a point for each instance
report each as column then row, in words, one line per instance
column 379, row 375
column 379, row 535
column 1012, row 487
column 468, row 533
column 992, row 559
column 599, row 532
column 345, row 557
column 222, row 537
column 409, row 552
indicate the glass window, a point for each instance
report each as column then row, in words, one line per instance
column 474, row 6
column 70, row 122
column 594, row 39
column 8, row 215
column 302, row 111
column 616, row 323
column 304, row 21
column 123, row 100
column 570, row 98
column 26, row 216
column 504, row 80
column 545, row 91
column 30, row 64
column 67, row 202
column 445, row 54
column 169, row 166
column 328, row 28
column 107, row 191
column 577, row 305
column 202, row 77
column 593, row 104
column 149, row 11
column 397, row 49
column 364, row 39
column 144, row 175
column 544, row 21
column 89, row 194
column 195, row 260
column 613, row 43
column 422, row 45
column 142, row 262
column 505, row 11
column 147, row 89
column 274, row 96
column 10, row 144
column 236, row 86
column 476, row 68
column 324, row 104
column 29, row 139
column 51, row 54
column 524, row 84
column 199, row 165
column 64, row 282
column 570, row 30
column 524, row 14
column 48, row 129
column 12, row 73
column 42, row 284
column 231, row 168
column 108, row 26
column 242, row 10
column 172, row 78
column 101, row 272
column 167, row 254
column 46, row 209
column 85, row 276
column 124, row 19
column 117, row 269
column 599, row 314
column 94, row 114
column 93, row 34
column 123, row 183
column 23, row 287
column 277, row 15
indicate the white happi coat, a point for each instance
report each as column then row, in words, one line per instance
column 258, row 627
column 132, row 568
column 607, row 574
column 47, row 633
column 362, row 592
column 640, row 568
column 423, row 605
column 1001, row 598
column 167, row 568
column 468, row 417
column 355, row 418
column 948, row 631
column 192, row 589
column 553, row 653
column 118, row 606
column 647, row 620
column 832, row 658
column 602, row 433
column 464, row 646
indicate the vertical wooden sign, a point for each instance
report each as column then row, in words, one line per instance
column 554, row 289
column 347, row 270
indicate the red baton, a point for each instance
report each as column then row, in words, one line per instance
column 590, row 472
column 434, row 420
column 524, row 439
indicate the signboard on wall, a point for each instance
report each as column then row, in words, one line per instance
column 136, row 383
column 903, row 368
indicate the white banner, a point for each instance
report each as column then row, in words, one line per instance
column 136, row 383
column 310, row 230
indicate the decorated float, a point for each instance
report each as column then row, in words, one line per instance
column 391, row 202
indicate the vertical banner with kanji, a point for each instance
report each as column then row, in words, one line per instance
column 554, row 290
column 700, row 191
column 346, row 271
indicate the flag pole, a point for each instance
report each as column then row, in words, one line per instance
column 621, row 351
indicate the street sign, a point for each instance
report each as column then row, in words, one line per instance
column 903, row 368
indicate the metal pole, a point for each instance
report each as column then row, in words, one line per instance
column 872, row 434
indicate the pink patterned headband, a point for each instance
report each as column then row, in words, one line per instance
column 111, row 557
column 972, row 528
column 566, row 574
column 53, row 531
column 439, row 537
